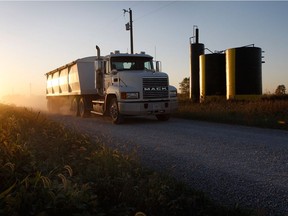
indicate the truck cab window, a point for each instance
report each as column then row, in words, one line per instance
column 135, row 63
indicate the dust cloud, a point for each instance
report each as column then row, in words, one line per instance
column 37, row 102
column 60, row 105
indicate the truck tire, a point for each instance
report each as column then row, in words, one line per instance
column 115, row 115
column 83, row 109
column 75, row 107
column 164, row 117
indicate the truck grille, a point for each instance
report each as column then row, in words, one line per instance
column 155, row 87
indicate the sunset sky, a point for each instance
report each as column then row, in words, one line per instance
column 36, row 36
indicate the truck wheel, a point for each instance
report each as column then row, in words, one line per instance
column 164, row 117
column 83, row 112
column 116, row 117
column 75, row 107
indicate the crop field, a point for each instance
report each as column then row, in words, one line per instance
column 46, row 169
column 267, row 112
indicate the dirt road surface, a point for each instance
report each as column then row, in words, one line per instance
column 233, row 165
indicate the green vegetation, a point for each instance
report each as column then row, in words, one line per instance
column 269, row 111
column 46, row 169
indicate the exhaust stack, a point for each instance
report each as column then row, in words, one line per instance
column 98, row 52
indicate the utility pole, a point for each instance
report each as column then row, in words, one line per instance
column 129, row 26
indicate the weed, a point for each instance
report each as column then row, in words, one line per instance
column 47, row 169
column 264, row 112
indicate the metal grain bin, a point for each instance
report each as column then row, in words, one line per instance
column 243, row 72
column 196, row 49
column 212, row 75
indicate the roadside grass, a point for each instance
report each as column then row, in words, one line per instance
column 47, row 169
column 266, row 112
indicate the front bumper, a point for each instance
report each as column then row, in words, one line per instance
column 148, row 107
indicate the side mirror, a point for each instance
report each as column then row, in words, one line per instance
column 158, row 66
column 114, row 72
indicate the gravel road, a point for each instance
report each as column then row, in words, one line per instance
column 233, row 165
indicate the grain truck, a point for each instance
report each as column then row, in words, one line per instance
column 118, row 85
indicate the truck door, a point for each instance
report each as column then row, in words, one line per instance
column 107, row 77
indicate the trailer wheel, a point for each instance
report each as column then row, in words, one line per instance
column 164, row 117
column 75, row 107
column 83, row 111
column 115, row 115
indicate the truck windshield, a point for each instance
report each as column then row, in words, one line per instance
column 131, row 63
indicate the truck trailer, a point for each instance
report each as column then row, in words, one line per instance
column 118, row 85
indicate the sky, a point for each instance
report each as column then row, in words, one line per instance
column 39, row 36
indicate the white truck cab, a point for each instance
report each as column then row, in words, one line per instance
column 124, row 85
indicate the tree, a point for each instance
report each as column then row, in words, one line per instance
column 280, row 90
column 185, row 86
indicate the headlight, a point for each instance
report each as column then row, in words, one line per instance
column 173, row 93
column 129, row 95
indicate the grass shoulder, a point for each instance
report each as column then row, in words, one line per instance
column 47, row 169
column 266, row 112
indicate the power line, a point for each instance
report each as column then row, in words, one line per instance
column 155, row 10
